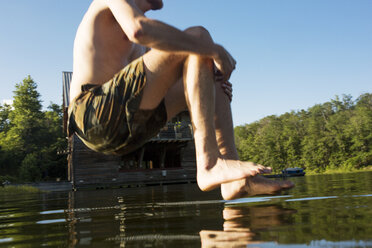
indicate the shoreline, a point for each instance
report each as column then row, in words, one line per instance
column 38, row 187
column 338, row 171
column 43, row 187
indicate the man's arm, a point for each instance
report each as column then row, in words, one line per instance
column 155, row 34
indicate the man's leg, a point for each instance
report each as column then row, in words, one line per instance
column 162, row 71
column 212, row 168
column 226, row 144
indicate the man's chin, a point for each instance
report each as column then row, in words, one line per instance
column 156, row 4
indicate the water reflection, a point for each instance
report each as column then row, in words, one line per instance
column 138, row 217
column 320, row 208
column 322, row 211
column 238, row 223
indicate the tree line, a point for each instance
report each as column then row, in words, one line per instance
column 30, row 138
column 333, row 135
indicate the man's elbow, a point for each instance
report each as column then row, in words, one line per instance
column 138, row 32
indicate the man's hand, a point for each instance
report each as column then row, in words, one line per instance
column 226, row 85
column 224, row 62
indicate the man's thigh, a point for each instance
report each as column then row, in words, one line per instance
column 175, row 101
column 163, row 70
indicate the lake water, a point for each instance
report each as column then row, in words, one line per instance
column 321, row 211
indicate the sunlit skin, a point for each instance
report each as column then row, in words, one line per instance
column 185, row 68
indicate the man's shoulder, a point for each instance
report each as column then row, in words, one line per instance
column 98, row 8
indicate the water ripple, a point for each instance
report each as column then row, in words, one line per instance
column 256, row 199
column 6, row 240
column 51, row 221
column 53, row 211
column 368, row 195
column 317, row 243
column 312, row 198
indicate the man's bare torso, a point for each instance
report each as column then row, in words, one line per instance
column 101, row 48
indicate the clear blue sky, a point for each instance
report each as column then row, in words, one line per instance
column 291, row 54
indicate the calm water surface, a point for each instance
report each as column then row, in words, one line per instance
column 322, row 211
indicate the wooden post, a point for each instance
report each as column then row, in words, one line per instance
column 71, row 163
column 141, row 157
column 162, row 157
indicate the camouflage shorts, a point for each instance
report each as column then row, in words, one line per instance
column 107, row 117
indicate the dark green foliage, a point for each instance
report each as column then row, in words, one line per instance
column 30, row 168
column 336, row 134
column 30, row 137
column 4, row 117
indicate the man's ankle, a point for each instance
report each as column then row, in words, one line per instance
column 207, row 161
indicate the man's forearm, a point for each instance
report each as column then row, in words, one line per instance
column 158, row 35
column 155, row 34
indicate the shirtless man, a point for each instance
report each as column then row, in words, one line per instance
column 122, row 94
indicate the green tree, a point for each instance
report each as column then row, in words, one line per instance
column 24, row 134
column 294, row 133
column 244, row 138
column 26, row 118
column 4, row 117
column 4, row 127
column 30, row 137
column 30, row 168
column 317, row 143
column 54, row 164
column 336, row 126
column 359, row 129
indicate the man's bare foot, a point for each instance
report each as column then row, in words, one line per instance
column 256, row 185
column 225, row 171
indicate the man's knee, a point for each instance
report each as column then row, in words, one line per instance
column 199, row 31
column 202, row 34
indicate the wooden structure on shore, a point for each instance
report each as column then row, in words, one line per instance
column 167, row 158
